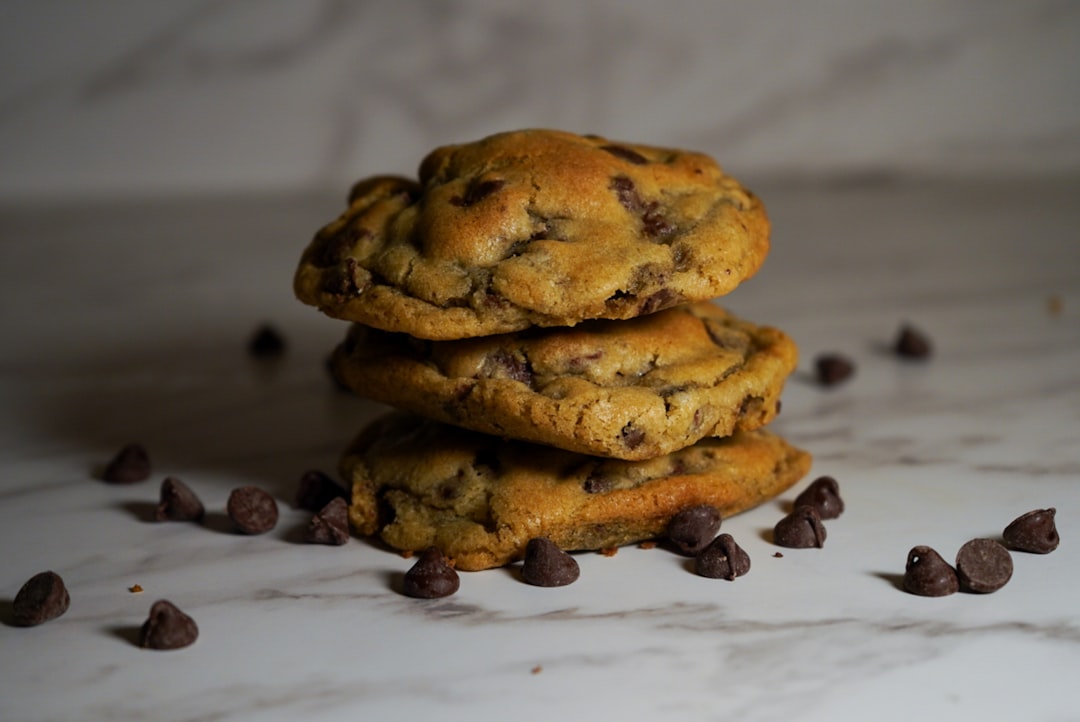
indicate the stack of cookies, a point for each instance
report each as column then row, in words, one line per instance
column 537, row 306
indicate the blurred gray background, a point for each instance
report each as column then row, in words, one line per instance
column 122, row 97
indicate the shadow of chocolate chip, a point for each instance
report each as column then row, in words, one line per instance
column 125, row 632
column 896, row 580
column 296, row 534
column 219, row 522
column 7, row 612
column 395, row 582
column 141, row 510
column 768, row 534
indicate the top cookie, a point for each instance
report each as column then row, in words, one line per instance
column 534, row 228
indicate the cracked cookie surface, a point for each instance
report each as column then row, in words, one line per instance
column 417, row 484
column 534, row 228
column 630, row 389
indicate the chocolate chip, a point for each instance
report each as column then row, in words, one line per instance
column 252, row 510
column 546, row 565
column 316, row 490
column 928, row 575
column 330, row 525
column 627, row 154
column 723, row 558
column 824, row 495
column 833, row 369
column 626, row 192
column 983, row 566
column 632, row 437
column 596, row 483
column 477, row 192
column 726, row 337
column 266, row 342
column 503, row 364
column 1033, row 532
column 167, row 628
column 431, row 576
column 131, row 464
column 664, row 298
column 911, row 343
column 654, row 222
column 178, row 502
column 801, row 529
column 42, row 598
column 692, row 528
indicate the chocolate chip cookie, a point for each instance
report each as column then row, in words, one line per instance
column 418, row 484
column 630, row 389
column 534, row 228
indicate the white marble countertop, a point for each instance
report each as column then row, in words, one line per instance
column 128, row 320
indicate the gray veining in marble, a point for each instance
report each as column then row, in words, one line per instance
column 131, row 97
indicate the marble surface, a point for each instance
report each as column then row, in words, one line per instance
column 113, row 97
column 128, row 320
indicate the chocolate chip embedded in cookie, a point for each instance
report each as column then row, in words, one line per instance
column 534, row 228
column 420, row 484
column 630, row 389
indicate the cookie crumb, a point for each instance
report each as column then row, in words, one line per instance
column 647, row 544
column 609, row 551
column 407, row 553
column 537, row 669
column 1054, row 305
column 778, row 555
column 135, row 589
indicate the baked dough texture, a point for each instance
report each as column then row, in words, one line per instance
column 417, row 483
column 534, row 228
column 631, row 389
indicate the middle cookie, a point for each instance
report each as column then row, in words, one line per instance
column 633, row 389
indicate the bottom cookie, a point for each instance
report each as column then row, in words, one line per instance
column 417, row 483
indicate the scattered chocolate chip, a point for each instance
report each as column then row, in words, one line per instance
column 800, row 529
column 911, row 343
column 778, row 555
column 983, row 566
column 167, row 628
column 178, row 502
column 42, row 598
column 833, row 369
column 546, row 565
column 928, row 575
column 1033, row 532
column 627, row 154
column 252, row 510
column 330, row 525
column 824, row 495
column 692, row 528
column 131, row 464
column 723, row 558
column 431, row 576
column 316, row 490
column 266, row 342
